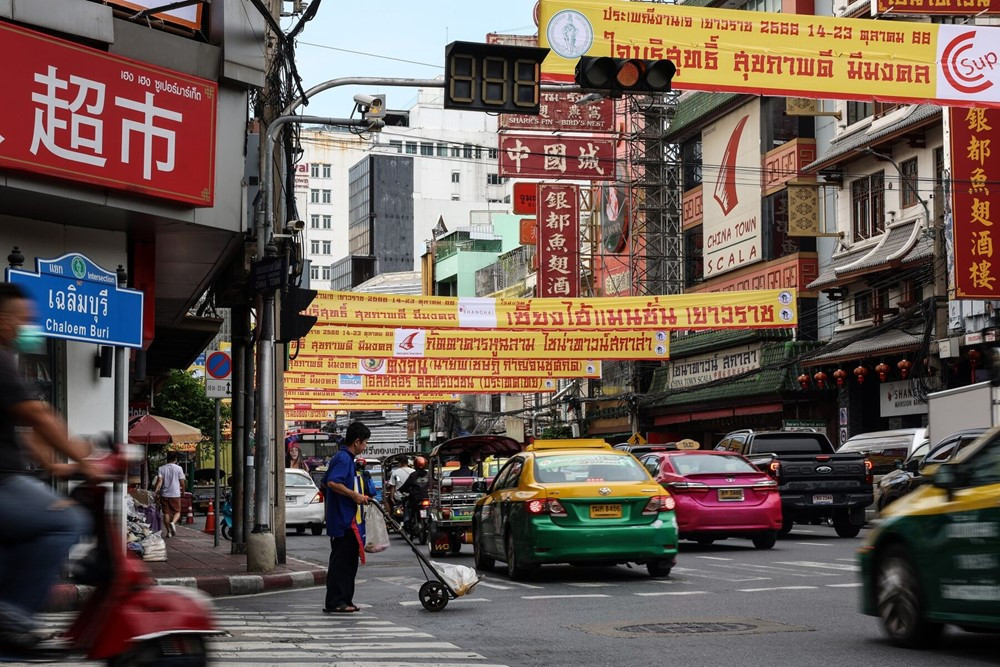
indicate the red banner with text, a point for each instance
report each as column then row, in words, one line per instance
column 558, row 240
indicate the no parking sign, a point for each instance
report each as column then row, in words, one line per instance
column 219, row 375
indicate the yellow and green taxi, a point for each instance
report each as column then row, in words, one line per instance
column 935, row 558
column 574, row 501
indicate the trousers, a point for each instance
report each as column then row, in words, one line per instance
column 343, row 569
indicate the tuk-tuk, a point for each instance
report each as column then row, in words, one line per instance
column 390, row 463
column 453, row 497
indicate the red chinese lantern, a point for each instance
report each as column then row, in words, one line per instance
column 883, row 370
column 974, row 356
column 840, row 375
column 904, row 366
column 860, row 372
column 804, row 381
column 820, row 379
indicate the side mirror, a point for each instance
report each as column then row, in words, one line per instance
column 913, row 465
column 949, row 478
column 479, row 486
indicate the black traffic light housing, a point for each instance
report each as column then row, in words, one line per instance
column 617, row 76
column 495, row 78
column 293, row 325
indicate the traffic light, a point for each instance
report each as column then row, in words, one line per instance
column 615, row 76
column 293, row 324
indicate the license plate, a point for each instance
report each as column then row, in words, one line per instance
column 461, row 515
column 423, row 514
column 823, row 499
column 731, row 495
column 290, row 499
column 605, row 511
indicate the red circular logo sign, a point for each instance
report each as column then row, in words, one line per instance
column 966, row 74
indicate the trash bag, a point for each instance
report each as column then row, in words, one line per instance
column 460, row 578
column 154, row 548
column 376, row 534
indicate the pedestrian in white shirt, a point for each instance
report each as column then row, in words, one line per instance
column 170, row 485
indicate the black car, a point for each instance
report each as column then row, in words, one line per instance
column 920, row 464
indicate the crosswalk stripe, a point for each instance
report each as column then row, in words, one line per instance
column 777, row 588
column 770, row 569
column 816, row 544
column 822, row 566
column 497, row 586
column 415, row 603
column 851, row 585
column 554, row 597
column 659, row 593
column 715, row 576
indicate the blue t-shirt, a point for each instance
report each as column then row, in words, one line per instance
column 340, row 510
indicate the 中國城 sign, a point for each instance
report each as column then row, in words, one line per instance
column 729, row 50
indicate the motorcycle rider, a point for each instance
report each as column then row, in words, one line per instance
column 414, row 490
column 396, row 480
column 38, row 525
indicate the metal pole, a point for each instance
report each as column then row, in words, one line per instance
column 249, row 404
column 120, row 432
column 218, row 435
column 263, row 444
column 238, row 315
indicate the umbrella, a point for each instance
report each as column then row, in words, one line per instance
column 153, row 430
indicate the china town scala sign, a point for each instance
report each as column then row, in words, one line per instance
column 76, row 113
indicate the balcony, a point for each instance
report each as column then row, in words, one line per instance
column 785, row 163
column 510, row 269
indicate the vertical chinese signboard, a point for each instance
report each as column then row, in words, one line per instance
column 558, row 240
column 76, row 113
column 975, row 174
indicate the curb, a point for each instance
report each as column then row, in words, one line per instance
column 68, row 597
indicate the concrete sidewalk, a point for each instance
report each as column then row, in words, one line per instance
column 193, row 561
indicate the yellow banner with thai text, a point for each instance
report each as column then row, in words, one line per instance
column 472, row 368
column 422, row 383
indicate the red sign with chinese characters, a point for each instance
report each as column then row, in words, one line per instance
column 936, row 7
column 559, row 112
column 80, row 114
column 557, row 157
column 529, row 231
column 558, row 240
column 975, row 196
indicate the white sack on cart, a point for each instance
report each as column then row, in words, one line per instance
column 460, row 578
column 376, row 534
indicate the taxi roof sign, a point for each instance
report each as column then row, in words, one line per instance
column 687, row 444
column 586, row 443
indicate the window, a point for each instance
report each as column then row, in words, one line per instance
column 863, row 306
column 456, row 197
column 858, row 111
column 314, row 170
column 326, row 247
column 442, row 150
column 908, row 183
column 493, row 179
column 313, row 222
column 467, row 151
column 411, row 148
column 427, row 150
column 397, row 145
column 327, row 222
column 763, row 6
column 691, row 158
column 494, row 153
column 314, row 272
column 984, row 464
column 456, row 177
column 314, row 247
column 479, row 152
column 939, row 167
column 868, row 206
column 314, row 196
column 326, row 171
column 456, row 151
column 326, row 196
column 326, row 273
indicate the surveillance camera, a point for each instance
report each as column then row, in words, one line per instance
column 365, row 100
column 371, row 106
column 295, row 226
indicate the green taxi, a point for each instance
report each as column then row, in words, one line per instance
column 574, row 501
column 935, row 557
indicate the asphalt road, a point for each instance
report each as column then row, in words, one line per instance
column 724, row 604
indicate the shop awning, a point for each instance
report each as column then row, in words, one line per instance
column 704, row 415
column 851, row 345
column 888, row 253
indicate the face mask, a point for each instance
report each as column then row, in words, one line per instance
column 29, row 339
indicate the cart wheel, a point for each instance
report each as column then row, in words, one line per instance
column 433, row 596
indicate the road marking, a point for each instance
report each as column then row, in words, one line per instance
column 658, row 593
column 770, row 569
column 713, row 558
column 848, row 560
column 815, row 544
column 415, row 603
column 522, row 584
column 854, row 585
column 688, row 572
column 777, row 588
column 823, row 566
column 590, row 584
column 489, row 585
column 559, row 597
column 804, row 532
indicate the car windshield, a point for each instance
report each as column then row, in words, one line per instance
column 295, row 479
column 691, row 464
column 788, row 445
column 588, row 468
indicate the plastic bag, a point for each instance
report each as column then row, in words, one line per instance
column 154, row 548
column 460, row 578
column 376, row 534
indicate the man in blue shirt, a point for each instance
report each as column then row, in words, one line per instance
column 343, row 507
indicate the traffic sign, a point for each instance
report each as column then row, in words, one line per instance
column 219, row 374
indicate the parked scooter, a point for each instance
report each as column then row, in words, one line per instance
column 128, row 620
column 226, row 520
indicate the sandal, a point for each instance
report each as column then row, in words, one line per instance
column 342, row 609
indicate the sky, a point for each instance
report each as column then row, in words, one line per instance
column 415, row 31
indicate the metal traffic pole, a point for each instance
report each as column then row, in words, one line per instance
column 218, row 506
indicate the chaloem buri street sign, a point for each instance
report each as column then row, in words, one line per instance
column 75, row 299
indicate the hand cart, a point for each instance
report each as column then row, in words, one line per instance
column 434, row 593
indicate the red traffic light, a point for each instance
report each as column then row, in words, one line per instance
column 624, row 75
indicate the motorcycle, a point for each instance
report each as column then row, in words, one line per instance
column 226, row 518
column 128, row 620
column 418, row 523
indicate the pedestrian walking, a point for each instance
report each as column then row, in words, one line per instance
column 343, row 514
column 170, row 482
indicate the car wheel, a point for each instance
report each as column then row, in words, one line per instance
column 659, row 568
column 226, row 532
column 842, row 524
column 899, row 601
column 300, row 530
column 515, row 570
column 479, row 557
column 454, row 544
column 765, row 540
column 786, row 526
column 317, row 530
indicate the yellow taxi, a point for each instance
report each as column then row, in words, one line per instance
column 575, row 501
column 935, row 557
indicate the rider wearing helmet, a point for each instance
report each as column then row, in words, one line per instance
column 414, row 489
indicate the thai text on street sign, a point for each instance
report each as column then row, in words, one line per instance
column 460, row 366
column 498, row 344
column 558, row 240
column 975, row 196
column 525, row 198
column 565, row 157
column 784, row 55
column 758, row 309
column 219, row 375
column 76, row 113
column 423, row 383
column 75, row 299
